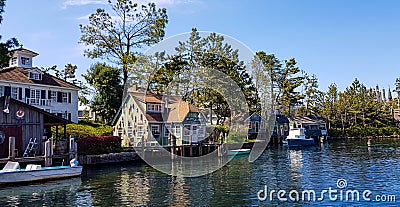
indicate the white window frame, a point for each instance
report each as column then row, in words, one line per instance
column 154, row 107
column 64, row 97
column 140, row 131
column 158, row 129
column 14, row 92
column 25, row 61
column 14, row 60
column 186, row 130
column 53, row 96
column 176, row 130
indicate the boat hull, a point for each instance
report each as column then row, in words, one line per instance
column 238, row 152
column 46, row 173
column 300, row 142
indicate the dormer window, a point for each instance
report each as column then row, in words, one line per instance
column 25, row 61
column 14, row 60
column 35, row 75
column 154, row 107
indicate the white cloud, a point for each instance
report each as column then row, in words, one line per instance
column 69, row 3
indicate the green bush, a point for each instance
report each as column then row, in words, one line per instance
column 85, row 130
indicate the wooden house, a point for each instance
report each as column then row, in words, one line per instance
column 150, row 118
column 23, row 121
column 315, row 127
column 26, row 83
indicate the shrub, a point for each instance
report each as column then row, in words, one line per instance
column 85, row 130
column 99, row 145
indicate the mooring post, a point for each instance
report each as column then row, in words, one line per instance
column 11, row 148
column 72, row 148
column 173, row 149
column 48, row 156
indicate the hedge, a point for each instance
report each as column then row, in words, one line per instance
column 99, row 145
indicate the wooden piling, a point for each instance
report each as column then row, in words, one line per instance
column 11, row 148
column 48, row 156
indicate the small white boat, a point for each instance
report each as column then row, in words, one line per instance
column 12, row 173
column 238, row 152
column 297, row 138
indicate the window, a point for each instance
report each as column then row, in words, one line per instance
column 14, row 60
column 250, row 126
column 154, row 107
column 25, row 61
column 35, row 76
column 176, row 130
column 80, row 113
column 14, row 92
column 186, row 130
column 167, row 129
column 139, row 131
column 53, row 96
column 155, row 130
column 35, row 97
column 1, row 91
column 65, row 97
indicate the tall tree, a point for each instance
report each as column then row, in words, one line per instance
column 311, row 94
column 288, row 81
column 115, row 36
column 106, row 81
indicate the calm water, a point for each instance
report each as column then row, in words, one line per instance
column 375, row 168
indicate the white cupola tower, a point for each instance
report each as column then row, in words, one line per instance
column 22, row 58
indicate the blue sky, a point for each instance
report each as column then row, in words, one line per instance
column 337, row 40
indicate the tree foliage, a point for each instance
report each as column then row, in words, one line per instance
column 183, row 72
column 107, row 83
column 115, row 36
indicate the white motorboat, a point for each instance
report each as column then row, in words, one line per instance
column 297, row 138
column 12, row 173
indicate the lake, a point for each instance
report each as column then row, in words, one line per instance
column 336, row 173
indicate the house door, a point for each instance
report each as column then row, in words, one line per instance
column 5, row 133
column 195, row 134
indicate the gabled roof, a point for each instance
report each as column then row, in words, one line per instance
column 24, row 50
column 20, row 75
column 177, row 108
column 178, row 111
column 307, row 120
column 49, row 119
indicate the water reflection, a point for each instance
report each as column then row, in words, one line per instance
column 374, row 167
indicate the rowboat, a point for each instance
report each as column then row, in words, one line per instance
column 12, row 173
column 238, row 152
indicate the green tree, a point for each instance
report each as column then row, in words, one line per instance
column 106, row 81
column 189, row 66
column 115, row 36
column 288, row 81
column 311, row 94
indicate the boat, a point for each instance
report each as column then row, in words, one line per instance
column 12, row 173
column 238, row 152
column 297, row 138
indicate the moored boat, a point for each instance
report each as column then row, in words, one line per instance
column 238, row 152
column 12, row 173
column 297, row 138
